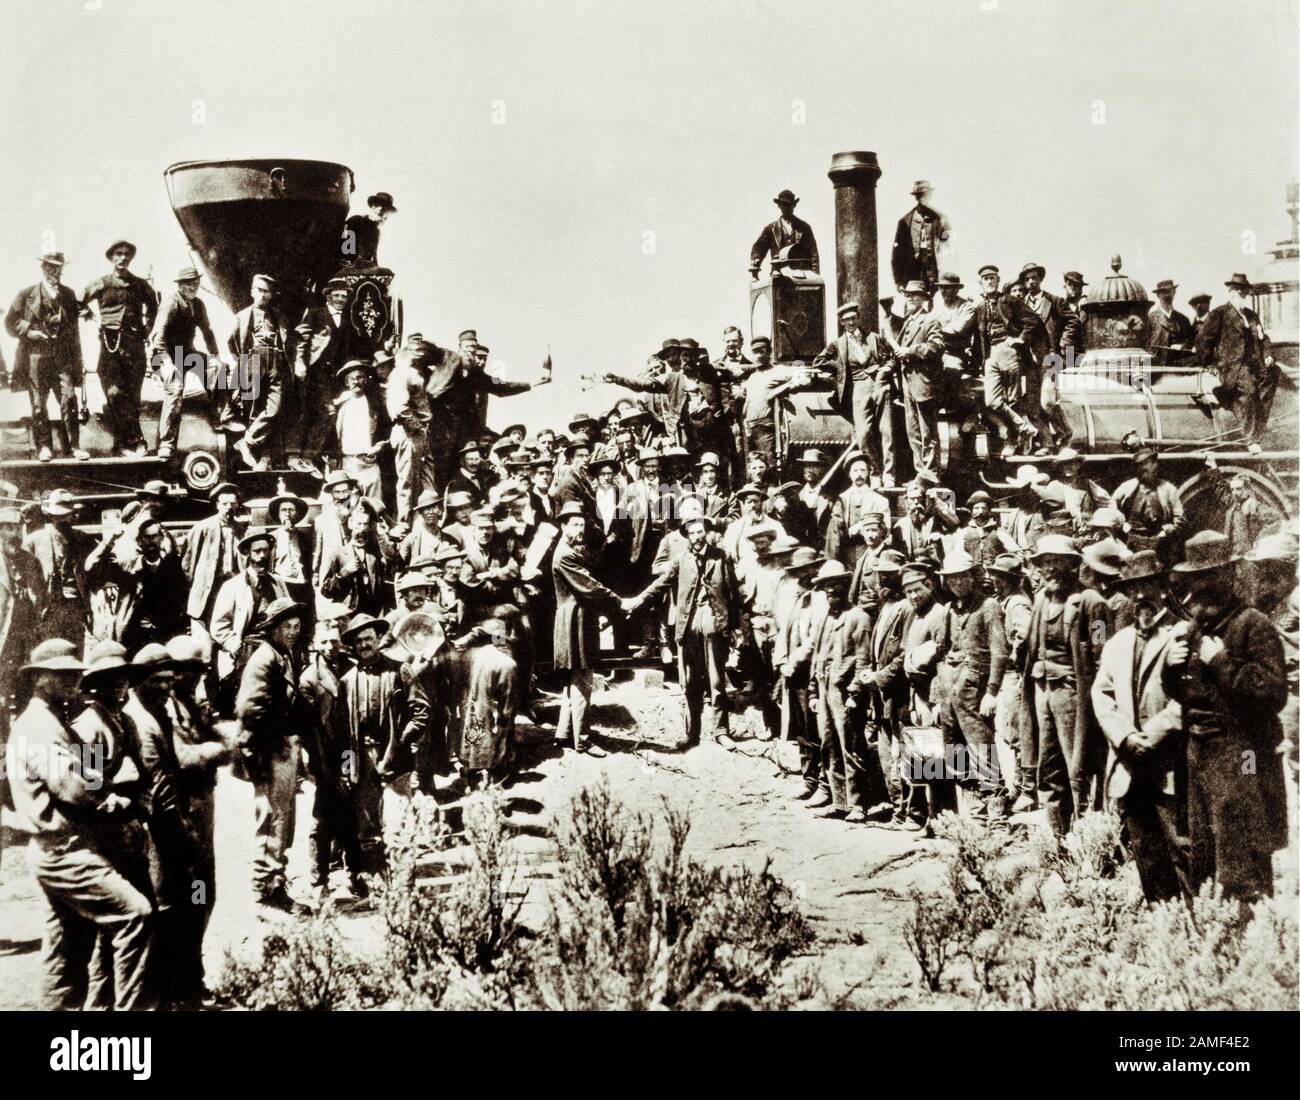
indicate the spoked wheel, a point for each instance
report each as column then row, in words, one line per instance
column 201, row 470
column 1206, row 496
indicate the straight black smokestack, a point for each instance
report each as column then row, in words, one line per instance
column 857, row 278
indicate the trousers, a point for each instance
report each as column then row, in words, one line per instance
column 121, row 374
column 702, row 662
column 873, row 425
column 274, row 791
column 923, row 432
column 45, row 377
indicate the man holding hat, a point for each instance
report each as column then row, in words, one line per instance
column 1233, row 344
column 863, row 388
column 789, row 239
column 62, row 796
column 921, row 235
column 126, row 305
column 1144, row 729
column 360, row 245
column 43, row 319
column 173, row 357
column 1067, row 630
column 262, row 347
column 1231, row 682
column 271, row 718
column 1170, row 341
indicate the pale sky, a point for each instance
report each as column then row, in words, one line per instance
column 677, row 119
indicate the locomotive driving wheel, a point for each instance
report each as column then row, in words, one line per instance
column 1207, row 494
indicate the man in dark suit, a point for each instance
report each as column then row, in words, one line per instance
column 262, row 346
column 788, row 239
column 1235, row 346
column 920, row 234
column 321, row 350
column 1171, row 331
column 1045, row 360
column 172, row 354
column 920, row 354
column 43, row 318
column 360, row 246
column 357, row 574
column 1201, row 304
column 709, row 623
column 863, row 390
column 60, row 550
column 211, row 556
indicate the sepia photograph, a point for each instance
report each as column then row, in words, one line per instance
column 556, row 506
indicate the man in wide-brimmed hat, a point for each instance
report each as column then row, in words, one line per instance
column 796, row 611
column 956, row 316
column 1272, row 564
column 1170, row 341
column 1144, row 729
column 1066, row 633
column 60, row 794
column 360, row 244
column 1232, row 684
column 60, row 551
column 291, row 553
column 1233, row 344
column 789, row 239
column 173, row 356
column 126, row 307
column 240, row 604
column 920, row 238
column 1152, row 507
column 270, row 722
column 43, row 319
column 1006, row 573
column 361, row 428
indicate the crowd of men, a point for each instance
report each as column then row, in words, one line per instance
column 1058, row 646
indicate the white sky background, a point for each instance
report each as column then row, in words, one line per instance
column 676, row 117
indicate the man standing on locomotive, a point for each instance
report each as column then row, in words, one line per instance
column 863, row 391
column 172, row 353
column 127, row 305
column 1233, row 344
column 262, row 347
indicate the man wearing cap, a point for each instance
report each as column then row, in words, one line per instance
column 262, row 347
column 921, row 235
column 60, row 552
column 1004, row 328
column 126, row 306
column 358, row 574
column 789, row 239
column 43, row 319
column 1230, row 677
column 1152, row 508
column 1233, row 344
column 874, row 543
column 210, row 555
column 1170, row 340
column 271, row 718
column 919, row 351
column 1144, row 729
column 362, row 429
column 970, row 675
column 846, row 537
column 1067, row 630
column 240, row 603
column 863, row 387
column 64, row 800
column 173, row 357
column 360, row 244
column 1201, row 304
column 979, row 538
column 710, row 620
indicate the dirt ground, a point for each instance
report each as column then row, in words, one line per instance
column 851, row 879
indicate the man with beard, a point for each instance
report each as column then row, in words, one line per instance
column 1144, row 728
column 732, row 369
column 1171, row 332
column 332, row 765
column 925, row 647
column 1201, row 304
column 291, row 553
column 262, row 345
column 361, row 428
column 1273, row 560
column 846, row 537
column 812, row 466
column 1083, row 496
column 1230, row 677
column 1233, row 344
column 157, row 585
column 709, row 622
column 1245, row 520
column 240, row 605
column 127, row 305
column 863, row 390
column 60, row 551
column 971, row 672
column 489, row 574
column 64, row 800
column 579, row 600
column 358, row 574
column 1152, row 508
column 43, row 319
column 330, row 524
column 926, row 520
column 472, row 477
column 1043, row 364
column 979, row 538
column 1014, row 733
column 1066, row 633
column 172, row 355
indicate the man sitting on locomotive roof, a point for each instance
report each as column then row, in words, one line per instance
column 360, row 245
column 172, row 354
column 788, row 238
column 43, row 318
column 1235, row 346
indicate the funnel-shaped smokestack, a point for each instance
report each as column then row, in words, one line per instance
column 276, row 217
column 857, row 277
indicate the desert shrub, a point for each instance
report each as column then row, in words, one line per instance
column 934, row 933
column 307, row 967
column 635, row 923
column 459, row 947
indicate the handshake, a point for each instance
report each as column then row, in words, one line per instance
column 629, row 604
